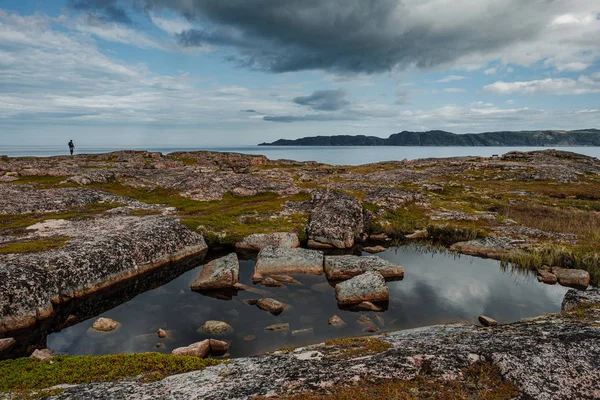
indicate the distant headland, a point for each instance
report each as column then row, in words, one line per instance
column 582, row 137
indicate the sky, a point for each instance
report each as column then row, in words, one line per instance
column 240, row 72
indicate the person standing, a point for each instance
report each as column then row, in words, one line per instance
column 71, row 146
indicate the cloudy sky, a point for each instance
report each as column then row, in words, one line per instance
column 237, row 72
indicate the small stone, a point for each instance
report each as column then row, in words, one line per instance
column 251, row 289
column 105, row 324
column 251, row 302
column 382, row 237
column 371, row 329
column 218, row 347
column 374, row 249
column 42, row 355
column 336, row 321
column 248, row 338
column 161, row 345
column 271, row 305
column 303, row 332
column 221, row 273
column 286, row 279
column 161, row 333
column 364, row 320
column 270, row 282
column 380, row 321
column 217, row 328
column 199, row 349
column 278, row 327
column 7, row 344
column 546, row 277
column 487, row 321
column 421, row 234
column 368, row 306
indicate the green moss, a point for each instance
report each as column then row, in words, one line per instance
column 44, row 181
column 450, row 234
column 355, row 347
column 481, row 381
column 398, row 222
column 34, row 246
column 24, row 374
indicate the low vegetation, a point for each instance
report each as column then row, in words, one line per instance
column 34, row 246
column 479, row 382
column 342, row 349
column 23, row 375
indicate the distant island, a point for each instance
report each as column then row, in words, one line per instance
column 583, row 137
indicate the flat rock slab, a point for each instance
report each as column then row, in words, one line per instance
column 221, row 273
column 271, row 305
column 259, row 241
column 340, row 268
column 576, row 278
column 280, row 261
column 336, row 219
column 369, row 286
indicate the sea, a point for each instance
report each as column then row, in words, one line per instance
column 333, row 155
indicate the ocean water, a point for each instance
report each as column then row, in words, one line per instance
column 438, row 287
column 334, row 155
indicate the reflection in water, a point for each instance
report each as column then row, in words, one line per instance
column 438, row 288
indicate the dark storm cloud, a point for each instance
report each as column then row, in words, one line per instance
column 355, row 35
column 110, row 9
column 324, row 100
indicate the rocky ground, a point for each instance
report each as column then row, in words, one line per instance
column 71, row 226
column 555, row 356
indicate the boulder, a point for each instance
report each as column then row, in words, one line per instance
column 199, row 349
column 487, row 321
column 336, row 219
column 259, row 241
column 7, row 344
column 336, row 321
column 369, row 286
column 276, row 261
column 221, row 273
column 271, row 305
column 216, row 328
column 576, row 278
column 105, row 324
column 41, row 355
column 344, row 267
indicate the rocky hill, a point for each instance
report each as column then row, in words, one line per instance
column 584, row 137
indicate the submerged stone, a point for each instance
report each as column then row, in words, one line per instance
column 271, row 305
column 217, row 328
column 369, row 286
column 221, row 273
column 278, row 327
column 336, row 321
column 270, row 282
column 348, row 266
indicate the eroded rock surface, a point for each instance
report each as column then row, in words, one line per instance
column 554, row 357
column 259, row 241
column 369, row 286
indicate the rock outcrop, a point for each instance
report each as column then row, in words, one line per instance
column 369, row 286
column 100, row 252
column 278, row 261
column 221, row 273
column 339, row 268
column 336, row 220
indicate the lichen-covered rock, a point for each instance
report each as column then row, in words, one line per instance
column 41, row 355
column 336, row 219
column 221, row 273
column 105, row 324
column 489, row 247
column 276, row 261
column 259, row 241
column 576, row 278
column 348, row 266
column 574, row 298
column 217, row 328
column 369, row 286
column 199, row 349
column 101, row 251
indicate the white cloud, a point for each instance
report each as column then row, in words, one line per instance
column 454, row 90
column 490, row 71
column 451, row 78
column 583, row 85
column 171, row 25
